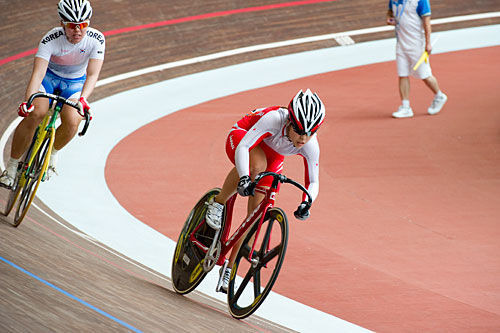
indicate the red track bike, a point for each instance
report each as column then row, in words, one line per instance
column 259, row 259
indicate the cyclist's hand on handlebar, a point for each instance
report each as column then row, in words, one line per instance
column 302, row 211
column 245, row 186
column 23, row 109
column 84, row 107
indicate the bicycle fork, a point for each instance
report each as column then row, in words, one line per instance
column 254, row 261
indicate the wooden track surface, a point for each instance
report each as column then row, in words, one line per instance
column 51, row 250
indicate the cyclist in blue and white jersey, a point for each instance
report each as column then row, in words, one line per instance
column 69, row 59
column 412, row 19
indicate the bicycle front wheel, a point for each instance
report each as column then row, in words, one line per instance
column 32, row 176
column 20, row 179
column 187, row 264
column 13, row 195
column 252, row 280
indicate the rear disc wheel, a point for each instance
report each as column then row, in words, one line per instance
column 188, row 262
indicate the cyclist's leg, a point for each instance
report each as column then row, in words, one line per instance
column 70, row 119
column 253, row 202
column 274, row 163
column 22, row 138
column 229, row 186
column 26, row 129
column 258, row 164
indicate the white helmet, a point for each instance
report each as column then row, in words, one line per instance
column 306, row 112
column 74, row 10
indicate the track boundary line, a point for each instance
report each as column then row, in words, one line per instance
column 64, row 292
column 124, row 76
column 2, row 147
column 461, row 18
column 184, row 20
column 261, row 47
column 5, row 136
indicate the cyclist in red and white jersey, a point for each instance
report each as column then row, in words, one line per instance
column 259, row 142
column 69, row 60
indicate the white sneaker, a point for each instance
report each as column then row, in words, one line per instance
column 437, row 104
column 51, row 170
column 225, row 279
column 7, row 180
column 213, row 217
column 403, row 112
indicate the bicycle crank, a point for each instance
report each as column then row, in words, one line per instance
column 213, row 253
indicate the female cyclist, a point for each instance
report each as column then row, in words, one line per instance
column 69, row 59
column 259, row 142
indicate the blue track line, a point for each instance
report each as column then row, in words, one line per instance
column 132, row 328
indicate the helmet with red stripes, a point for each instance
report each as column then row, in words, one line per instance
column 306, row 112
column 74, row 10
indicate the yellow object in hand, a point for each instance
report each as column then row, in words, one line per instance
column 423, row 57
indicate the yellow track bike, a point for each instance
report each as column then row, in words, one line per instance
column 33, row 168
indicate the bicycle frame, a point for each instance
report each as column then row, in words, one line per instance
column 33, row 171
column 49, row 121
column 200, row 247
column 58, row 101
column 258, row 214
column 46, row 126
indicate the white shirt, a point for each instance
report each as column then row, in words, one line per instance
column 409, row 25
column 69, row 60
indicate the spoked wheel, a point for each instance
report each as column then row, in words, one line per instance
column 13, row 195
column 31, row 177
column 251, row 282
column 20, row 179
column 187, row 264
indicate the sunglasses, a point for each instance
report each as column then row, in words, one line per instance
column 74, row 25
column 300, row 131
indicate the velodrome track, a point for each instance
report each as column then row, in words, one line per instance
column 148, row 310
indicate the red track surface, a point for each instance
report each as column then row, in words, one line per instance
column 404, row 234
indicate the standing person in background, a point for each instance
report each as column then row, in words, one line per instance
column 69, row 59
column 412, row 19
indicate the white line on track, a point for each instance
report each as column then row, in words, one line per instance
column 96, row 243
column 337, row 36
column 261, row 47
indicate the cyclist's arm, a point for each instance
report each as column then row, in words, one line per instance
column 39, row 68
column 93, row 70
column 311, row 168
